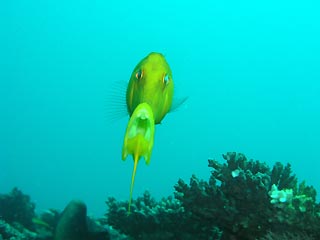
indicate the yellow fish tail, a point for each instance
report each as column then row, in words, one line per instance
column 136, row 159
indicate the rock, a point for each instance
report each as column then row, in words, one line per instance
column 73, row 222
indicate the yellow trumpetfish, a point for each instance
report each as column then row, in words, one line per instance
column 149, row 98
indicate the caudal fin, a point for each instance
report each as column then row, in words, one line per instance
column 136, row 159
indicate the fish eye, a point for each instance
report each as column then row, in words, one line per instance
column 166, row 79
column 139, row 74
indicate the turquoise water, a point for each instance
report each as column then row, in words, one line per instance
column 250, row 69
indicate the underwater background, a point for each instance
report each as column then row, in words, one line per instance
column 250, row 70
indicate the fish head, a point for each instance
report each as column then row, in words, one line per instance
column 151, row 82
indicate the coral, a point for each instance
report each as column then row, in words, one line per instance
column 286, row 236
column 236, row 191
column 15, row 233
column 280, row 196
column 243, row 199
column 17, row 207
column 282, row 177
column 17, row 217
column 99, row 230
column 150, row 219
column 236, row 199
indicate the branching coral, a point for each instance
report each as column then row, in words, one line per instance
column 236, row 191
column 236, row 199
column 238, row 202
column 148, row 219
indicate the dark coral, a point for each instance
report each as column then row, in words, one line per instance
column 8, row 231
column 19, row 221
column 243, row 199
column 236, row 199
column 149, row 219
column 16, row 207
column 234, row 204
column 286, row 236
column 282, row 176
column 230, row 200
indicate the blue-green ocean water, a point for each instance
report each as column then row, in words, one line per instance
column 251, row 70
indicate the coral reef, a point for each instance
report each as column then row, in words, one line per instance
column 15, row 233
column 243, row 199
column 236, row 199
column 149, row 219
column 18, row 221
column 16, row 207
column 286, row 236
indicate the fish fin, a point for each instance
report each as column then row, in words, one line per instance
column 124, row 151
column 177, row 102
column 115, row 101
column 147, row 155
column 136, row 160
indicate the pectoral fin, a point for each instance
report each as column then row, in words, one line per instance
column 139, row 138
column 177, row 103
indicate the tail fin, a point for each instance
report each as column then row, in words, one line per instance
column 136, row 159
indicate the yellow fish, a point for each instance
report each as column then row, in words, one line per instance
column 148, row 98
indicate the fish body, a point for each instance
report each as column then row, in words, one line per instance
column 151, row 82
